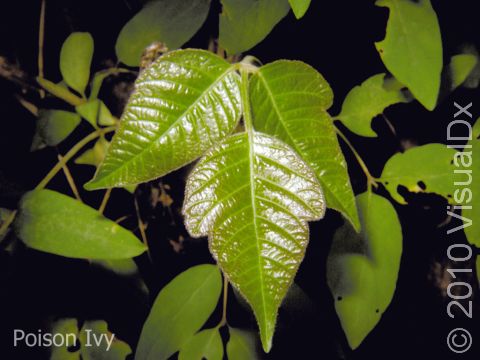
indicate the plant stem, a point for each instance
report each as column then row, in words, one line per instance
column 223, row 321
column 8, row 221
column 103, row 205
column 70, row 180
column 141, row 227
column 41, row 37
column 247, row 113
column 60, row 92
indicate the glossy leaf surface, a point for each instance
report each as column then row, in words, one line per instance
column 75, row 59
column 207, row 344
column 183, row 104
column 460, row 68
column 252, row 195
column 362, row 269
column 54, row 126
column 412, row 48
column 170, row 22
column 299, row 7
column 243, row 24
column 289, row 100
column 426, row 168
column 241, row 345
column 179, row 311
column 366, row 101
column 473, row 214
column 55, row 223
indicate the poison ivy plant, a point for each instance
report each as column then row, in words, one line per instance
column 472, row 214
column 96, row 113
column 54, row 126
column 207, row 344
column 412, row 48
column 299, row 7
column 241, row 345
column 362, row 269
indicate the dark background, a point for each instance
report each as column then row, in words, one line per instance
column 337, row 38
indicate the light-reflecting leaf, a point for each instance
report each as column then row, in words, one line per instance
column 170, row 22
column 91, row 350
column 253, row 195
column 243, row 24
column 242, row 345
column 366, row 101
column 289, row 100
column 179, row 311
column 412, row 48
column 299, row 7
column 362, row 269
column 183, row 104
column 460, row 68
column 96, row 113
column 95, row 155
column 75, row 59
column 54, row 126
column 207, row 344
column 426, row 168
column 473, row 214
column 55, row 223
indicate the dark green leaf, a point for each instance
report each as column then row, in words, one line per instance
column 55, row 223
column 242, row 345
column 207, row 344
column 54, row 126
column 184, row 103
column 299, row 7
column 179, row 311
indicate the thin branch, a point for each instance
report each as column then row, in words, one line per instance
column 70, row 180
column 41, row 37
column 103, row 205
column 141, row 227
column 8, row 221
column 223, row 321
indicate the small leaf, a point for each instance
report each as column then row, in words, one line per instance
column 253, row 195
column 125, row 267
column 289, row 100
column 170, row 22
column 69, row 329
column 242, row 345
column 183, row 104
column 243, row 24
column 179, row 311
column 90, row 350
column 75, row 60
column 55, row 223
column 412, row 48
column 473, row 214
column 300, row 7
column 362, row 269
column 460, row 68
column 207, row 344
column 366, row 101
column 426, row 168
column 95, row 155
column 96, row 113
column 54, row 126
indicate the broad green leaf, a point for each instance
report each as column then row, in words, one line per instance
column 91, row 350
column 253, row 195
column 412, row 48
column 242, row 345
column 54, row 126
column 426, row 168
column 75, row 60
column 362, row 269
column 55, row 223
column 473, row 214
column 183, row 104
column 289, row 100
column 179, row 311
column 207, row 344
column 460, row 68
column 170, row 22
column 95, row 155
column 366, row 101
column 299, row 7
column 69, row 329
column 243, row 24
column 96, row 113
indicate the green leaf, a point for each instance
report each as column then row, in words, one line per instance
column 182, row 105
column 242, row 345
column 253, row 196
column 95, row 155
column 243, row 24
column 366, row 101
column 170, row 22
column 55, row 223
column 429, row 164
column 90, row 350
column 125, row 267
column 96, row 113
column 362, row 269
column 473, row 214
column 207, row 344
column 99, row 77
column 75, row 60
column 460, row 68
column 179, row 311
column 299, row 7
column 54, row 126
column 69, row 329
column 412, row 48
column 289, row 100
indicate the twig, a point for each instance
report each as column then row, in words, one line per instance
column 8, row 221
column 223, row 321
column 141, row 227
column 41, row 37
column 103, row 205
column 70, row 180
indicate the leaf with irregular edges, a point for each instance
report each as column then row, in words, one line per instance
column 118, row 350
column 366, row 101
column 253, row 195
column 412, row 48
column 299, row 7
column 461, row 66
column 242, row 345
column 55, row 223
column 473, row 231
column 289, row 100
column 180, row 310
column 75, row 60
column 182, row 105
column 170, row 22
column 243, row 24
column 207, row 344
column 54, row 126
column 429, row 164
column 362, row 269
